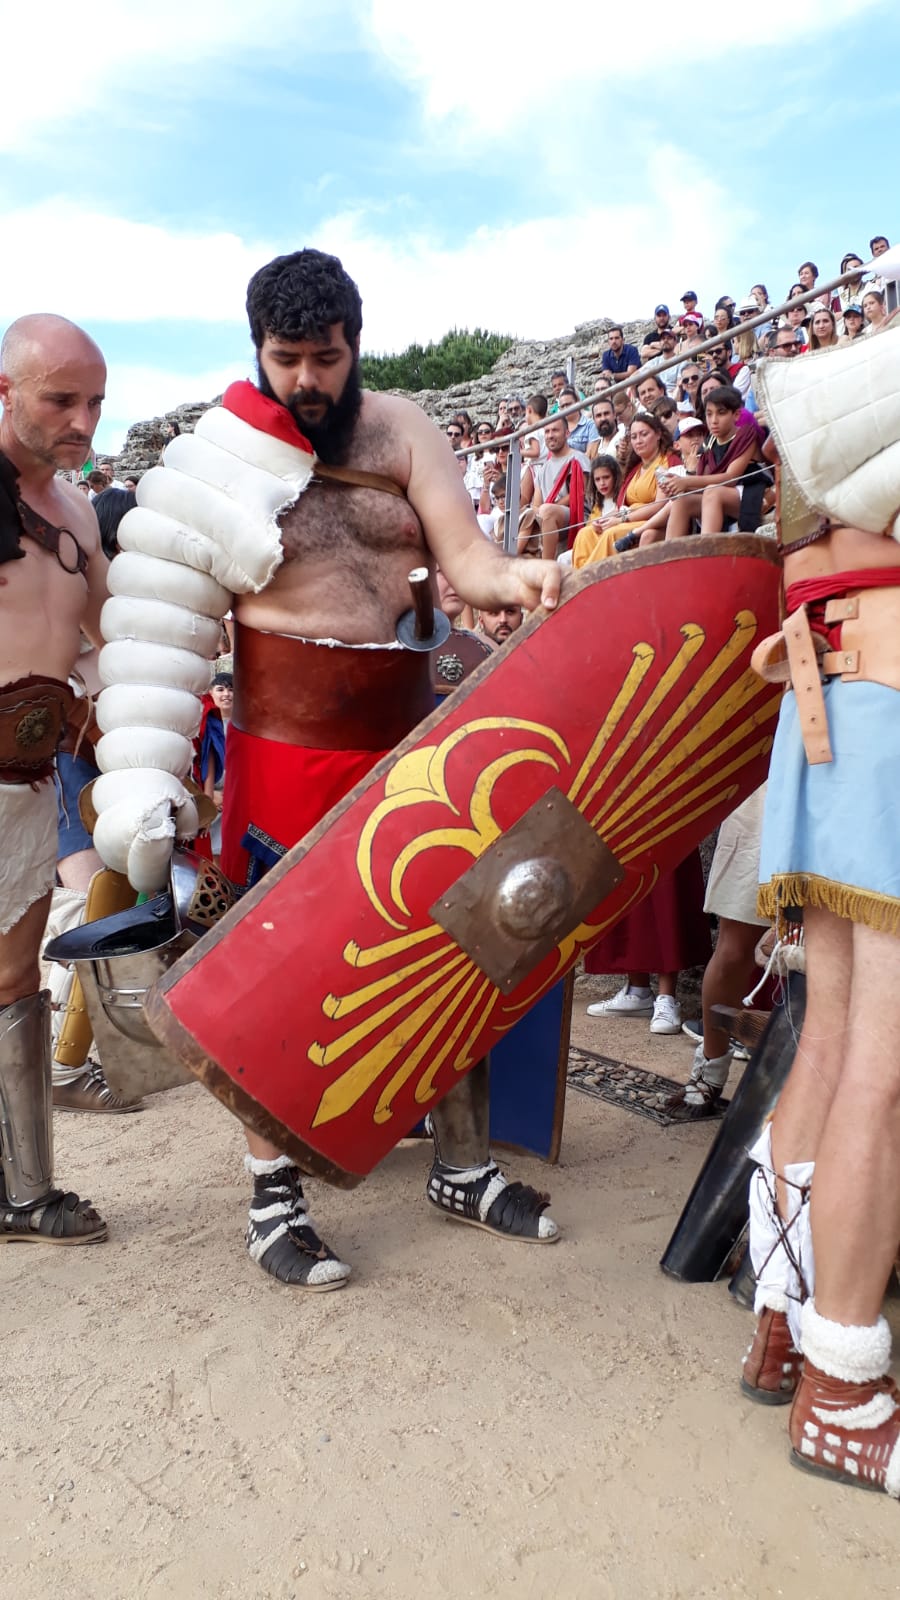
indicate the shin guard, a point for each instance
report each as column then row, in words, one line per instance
column 26, row 1115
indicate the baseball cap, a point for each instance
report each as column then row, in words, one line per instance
column 688, row 425
column 854, row 309
column 660, row 308
column 693, row 317
column 689, row 294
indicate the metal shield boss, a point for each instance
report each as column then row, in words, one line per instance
column 453, row 887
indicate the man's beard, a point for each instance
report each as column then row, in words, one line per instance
column 606, row 429
column 330, row 438
column 51, row 452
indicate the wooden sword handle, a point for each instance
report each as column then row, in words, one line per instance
column 423, row 601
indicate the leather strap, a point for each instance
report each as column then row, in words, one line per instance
column 354, row 477
column 803, row 660
column 60, row 542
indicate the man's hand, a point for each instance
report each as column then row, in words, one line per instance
column 533, row 583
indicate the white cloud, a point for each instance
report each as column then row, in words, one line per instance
column 540, row 278
column 61, row 60
column 119, row 270
column 137, row 393
column 496, row 73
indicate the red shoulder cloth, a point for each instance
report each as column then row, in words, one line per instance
column 244, row 400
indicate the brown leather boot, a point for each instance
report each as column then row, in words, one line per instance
column 845, row 1422
column 771, row 1367
column 91, row 1092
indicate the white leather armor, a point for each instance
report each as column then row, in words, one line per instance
column 835, row 417
column 204, row 530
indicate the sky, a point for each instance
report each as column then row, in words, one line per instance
column 523, row 173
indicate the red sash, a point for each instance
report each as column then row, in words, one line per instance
column 576, row 492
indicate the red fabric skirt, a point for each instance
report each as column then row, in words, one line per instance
column 281, row 789
column 667, row 932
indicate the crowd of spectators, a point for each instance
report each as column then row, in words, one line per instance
column 681, row 450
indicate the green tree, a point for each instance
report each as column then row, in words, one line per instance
column 457, row 358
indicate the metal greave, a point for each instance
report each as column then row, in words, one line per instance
column 26, row 1106
column 461, row 1124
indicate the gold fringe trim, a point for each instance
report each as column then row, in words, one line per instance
column 878, row 911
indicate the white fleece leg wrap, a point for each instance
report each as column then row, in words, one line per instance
column 713, row 1071
column 853, row 1354
column 857, row 1355
column 279, row 1212
column 781, row 1252
column 258, row 1168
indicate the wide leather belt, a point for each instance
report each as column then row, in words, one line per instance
column 799, row 658
column 327, row 697
column 33, row 713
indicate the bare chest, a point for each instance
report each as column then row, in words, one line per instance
column 41, row 608
column 37, row 584
column 344, row 522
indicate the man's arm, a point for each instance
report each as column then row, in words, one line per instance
column 477, row 569
column 87, row 531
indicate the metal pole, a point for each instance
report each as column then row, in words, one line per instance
column 671, row 361
column 511, row 513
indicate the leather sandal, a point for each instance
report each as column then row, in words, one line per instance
column 59, row 1218
column 282, row 1240
column 484, row 1199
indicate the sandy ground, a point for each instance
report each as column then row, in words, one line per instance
column 467, row 1419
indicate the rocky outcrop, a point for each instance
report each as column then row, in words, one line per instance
column 523, row 369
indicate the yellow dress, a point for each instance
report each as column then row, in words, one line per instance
column 594, row 543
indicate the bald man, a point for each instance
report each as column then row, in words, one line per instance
column 52, row 587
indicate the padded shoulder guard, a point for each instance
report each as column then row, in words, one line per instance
column 835, row 417
column 205, row 529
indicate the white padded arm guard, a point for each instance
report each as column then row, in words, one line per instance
column 835, row 417
column 205, row 528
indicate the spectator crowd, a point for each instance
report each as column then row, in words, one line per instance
column 679, row 451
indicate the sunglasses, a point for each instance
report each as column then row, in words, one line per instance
column 788, row 349
column 454, row 433
column 694, row 379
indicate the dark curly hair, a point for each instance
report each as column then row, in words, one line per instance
column 299, row 297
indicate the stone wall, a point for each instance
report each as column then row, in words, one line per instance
column 523, row 369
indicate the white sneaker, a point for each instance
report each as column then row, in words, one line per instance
column 627, row 1003
column 666, row 1015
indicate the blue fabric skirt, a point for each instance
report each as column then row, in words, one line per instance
column 831, row 834
column 72, row 775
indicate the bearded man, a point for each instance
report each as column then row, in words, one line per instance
column 52, row 587
column 313, row 554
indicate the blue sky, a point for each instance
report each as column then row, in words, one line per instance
column 517, row 173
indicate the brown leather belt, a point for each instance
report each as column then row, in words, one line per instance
column 799, row 658
column 81, row 732
column 327, row 697
column 33, row 713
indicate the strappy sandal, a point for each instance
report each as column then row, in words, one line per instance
column 486, row 1200
column 59, row 1218
column 680, row 1109
column 281, row 1239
